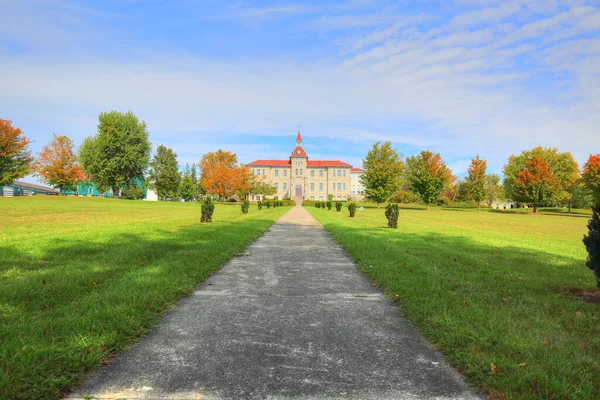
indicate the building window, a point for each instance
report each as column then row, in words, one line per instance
column 263, row 171
column 299, row 163
column 312, row 197
column 320, row 197
column 339, row 186
column 320, row 186
column 312, row 187
column 275, row 197
column 284, row 186
column 339, row 172
column 320, row 172
column 312, row 172
column 276, row 186
column 258, row 172
column 276, row 172
column 344, row 172
column 333, row 186
column 344, row 186
column 300, row 171
column 285, row 172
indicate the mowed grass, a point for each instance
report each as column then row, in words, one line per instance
column 488, row 288
column 83, row 278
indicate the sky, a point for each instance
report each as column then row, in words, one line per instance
column 458, row 77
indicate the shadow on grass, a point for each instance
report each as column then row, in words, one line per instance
column 547, row 212
column 65, row 311
column 485, row 304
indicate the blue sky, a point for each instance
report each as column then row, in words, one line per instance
column 459, row 77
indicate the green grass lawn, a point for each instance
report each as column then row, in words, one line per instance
column 488, row 288
column 83, row 278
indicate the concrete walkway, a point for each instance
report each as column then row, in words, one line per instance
column 293, row 319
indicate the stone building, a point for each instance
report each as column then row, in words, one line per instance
column 300, row 178
column 357, row 189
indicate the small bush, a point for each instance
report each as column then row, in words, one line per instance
column 267, row 204
column 338, row 206
column 352, row 209
column 231, row 200
column 329, row 204
column 391, row 213
column 592, row 243
column 318, row 204
column 260, row 204
column 245, row 206
column 444, row 201
column 208, row 208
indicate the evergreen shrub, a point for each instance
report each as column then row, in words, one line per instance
column 391, row 213
column 592, row 243
column 208, row 207
column 338, row 206
column 260, row 204
column 352, row 209
column 329, row 204
column 245, row 206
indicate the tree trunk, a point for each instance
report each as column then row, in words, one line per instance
column 116, row 191
column 60, row 190
column 428, row 206
column 569, row 208
column 535, row 208
column 478, row 207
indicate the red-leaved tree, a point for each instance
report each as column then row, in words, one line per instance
column 57, row 165
column 15, row 156
column 536, row 183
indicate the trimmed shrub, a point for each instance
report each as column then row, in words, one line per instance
column 318, row 204
column 592, row 243
column 352, row 209
column 208, row 208
column 391, row 213
column 329, row 204
column 260, row 204
column 245, row 206
column 267, row 204
column 338, row 206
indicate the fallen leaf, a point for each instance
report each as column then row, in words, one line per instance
column 493, row 369
column 546, row 342
column 94, row 284
column 102, row 348
column 466, row 303
column 24, row 348
column 112, row 356
column 577, row 314
column 468, row 282
column 520, row 278
column 106, row 363
column 482, row 290
column 410, row 270
column 524, row 364
column 504, row 300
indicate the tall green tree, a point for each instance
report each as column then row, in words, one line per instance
column 493, row 189
column 428, row 175
column 260, row 185
column 382, row 172
column 15, row 156
column 188, row 189
column 561, row 165
column 119, row 152
column 164, row 176
column 476, row 180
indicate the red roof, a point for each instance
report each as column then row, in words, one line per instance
column 298, row 152
column 357, row 170
column 274, row 163
column 299, row 137
column 327, row 163
column 311, row 163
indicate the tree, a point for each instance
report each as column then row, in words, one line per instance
column 493, row 188
column 119, row 152
column 476, row 180
column 590, row 177
column 57, row 165
column 536, row 183
column 259, row 185
column 428, row 175
column 223, row 175
column 562, row 166
column 164, row 176
column 188, row 188
column 382, row 170
column 15, row 156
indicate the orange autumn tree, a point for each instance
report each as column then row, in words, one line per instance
column 57, row 164
column 428, row 175
column 15, row 156
column 536, row 183
column 223, row 175
column 591, row 177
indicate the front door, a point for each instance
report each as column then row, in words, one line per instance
column 298, row 190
